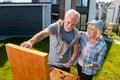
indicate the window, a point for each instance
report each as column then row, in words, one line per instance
column 55, row 1
column 119, row 20
column 78, row 2
column 85, row 3
column 83, row 21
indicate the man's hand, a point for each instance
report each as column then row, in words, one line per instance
column 92, row 65
column 26, row 44
column 69, row 64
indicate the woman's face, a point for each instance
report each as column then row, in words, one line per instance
column 92, row 31
column 69, row 23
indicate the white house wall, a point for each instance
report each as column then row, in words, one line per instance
column 46, row 15
column 110, row 15
column 67, row 5
column 117, row 4
column 92, row 10
column 44, row 0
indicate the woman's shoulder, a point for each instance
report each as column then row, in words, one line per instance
column 102, row 41
column 82, row 33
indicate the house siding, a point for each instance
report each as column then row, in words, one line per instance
column 113, row 13
column 84, row 7
column 23, row 19
column 117, row 4
column 110, row 15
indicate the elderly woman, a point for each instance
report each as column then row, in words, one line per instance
column 92, row 50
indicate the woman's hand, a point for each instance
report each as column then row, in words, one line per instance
column 92, row 65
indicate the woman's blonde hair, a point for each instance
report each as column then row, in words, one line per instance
column 98, row 33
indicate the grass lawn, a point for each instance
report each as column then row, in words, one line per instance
column 116, row 38
column 109, row 71
column 5, row 73
column 111, row 67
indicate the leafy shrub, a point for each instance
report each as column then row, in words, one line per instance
column 109, row 33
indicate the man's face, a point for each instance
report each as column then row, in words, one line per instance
column 69, row 23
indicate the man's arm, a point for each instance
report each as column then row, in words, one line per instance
column 75, row 53
column 36, row 38
column 74, row 56
column 40, row 36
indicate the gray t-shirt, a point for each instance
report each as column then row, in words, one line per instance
column 67, row 37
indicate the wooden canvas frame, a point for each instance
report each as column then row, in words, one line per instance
column 57, row 74
column 27, row 64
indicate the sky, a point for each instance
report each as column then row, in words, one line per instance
column 18, row 0
column 104, row 0
column 31, row 0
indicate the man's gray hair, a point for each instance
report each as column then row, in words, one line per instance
column 73, row 13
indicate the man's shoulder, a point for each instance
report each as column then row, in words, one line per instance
column 58, row 23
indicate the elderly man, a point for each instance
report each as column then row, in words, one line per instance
column 63, row 35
